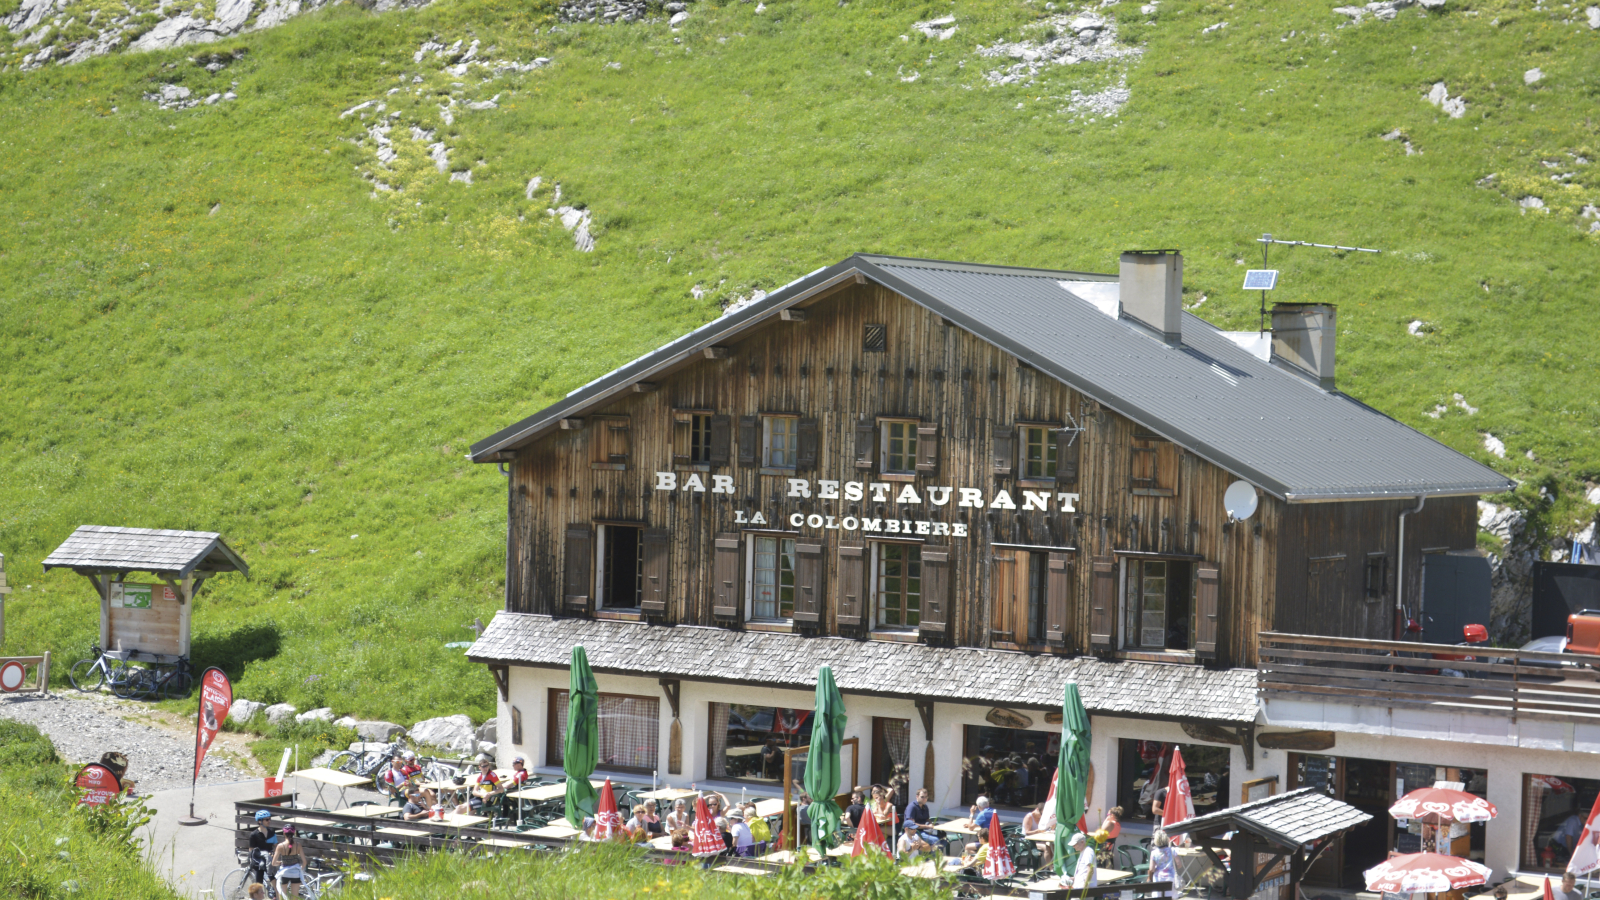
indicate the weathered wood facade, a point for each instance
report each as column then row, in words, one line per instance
column 965, row 399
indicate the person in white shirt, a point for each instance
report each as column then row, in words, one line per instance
column 913, row 844
column 744, row 844
column 1083, row 874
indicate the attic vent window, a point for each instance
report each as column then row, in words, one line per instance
column 876, row 339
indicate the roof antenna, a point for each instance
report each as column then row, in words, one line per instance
column 1265, row 279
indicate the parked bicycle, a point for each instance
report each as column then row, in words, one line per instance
column 367, row 764
column 315, row 886
column 252, row 870
column 99, row 669
column 168, row 681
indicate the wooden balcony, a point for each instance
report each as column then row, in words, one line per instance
column 1560, row 687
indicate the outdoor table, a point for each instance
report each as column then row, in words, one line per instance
column 1192, row 863
column 957, row 826
column 502, row 842
column 556, row 830
column 1047, row 836
column 766, row 809
column 1102, row 876
column 929, row 869
column 550, row 791
column 662, row 843
column 455, row 820
column 787, row 856
column 331, row 778
column 370, row 811
column 667, row 794
column 403, row 832
column 844, row 849
column 741, row 870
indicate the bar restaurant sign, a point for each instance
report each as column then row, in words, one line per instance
column 906, row 498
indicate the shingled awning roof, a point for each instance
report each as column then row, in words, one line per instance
column 94, row 549
column 880, row 668
column 1288, row 820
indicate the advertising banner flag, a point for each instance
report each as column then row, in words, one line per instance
column 216, row 696
column 98, row 784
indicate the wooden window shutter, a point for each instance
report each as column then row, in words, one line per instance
column 721, row 426
column 927, row 449
column 1205, row 643
column 937, row 581
column 806, row 447
column 807, row 582
column 579, row 565
column 653, row 590
column 1005, row 454
column 682, row 424
column 1058, row 597
column 749, row 440
column 1004, row 605
column 866, row 444
column 1067, row 442
column 852, row 584
column 1103, row 603
column 727, row 575
column 617, row 439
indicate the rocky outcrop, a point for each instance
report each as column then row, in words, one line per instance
column 1511, row 574
column 278, row 713
column 373, row 730
column 321, row 714
column 452, row 733
column 244, row 710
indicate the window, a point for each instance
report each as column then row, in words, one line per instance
column 1377, row 574
column 1553, row 812
column 1020, row 591
column 772, row 560
column 1154, row 465
column 899, row 585
column 1038, row 453
column 1143, row 767
column 691, row 437
column 781, row 443
column 608, row 442
column 621, row 567
column 747, row 742
column 630, row 731
column 1158, row 602
column 875, row 339
column 899, row 446
column 1009, row 766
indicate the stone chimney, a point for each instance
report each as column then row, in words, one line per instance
column 1303, row 337
column 1152, row 291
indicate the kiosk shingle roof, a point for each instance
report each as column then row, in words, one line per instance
column 1244, row 414
column 1290, row 820
column 951, row 674
column 105, row 548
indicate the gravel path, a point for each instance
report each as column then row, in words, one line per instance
column 82, row 728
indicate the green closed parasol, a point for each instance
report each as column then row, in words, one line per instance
column 1072, row 773
column 822, row 760
column 581, row 752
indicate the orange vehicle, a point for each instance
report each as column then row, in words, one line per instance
column 1583, row 633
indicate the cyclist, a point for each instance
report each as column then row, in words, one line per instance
column 262, row 843
column 289, row 860
column 488, row 786
column 394, row 778
column 410, row 767
column 519, row 772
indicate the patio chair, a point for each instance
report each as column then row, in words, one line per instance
column 1133, row 858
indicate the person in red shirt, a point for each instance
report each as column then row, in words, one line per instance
column 519, row 773
column 488, row 786
column 410, row 766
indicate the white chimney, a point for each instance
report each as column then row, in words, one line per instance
column 1303, row 336
column 1152, row 290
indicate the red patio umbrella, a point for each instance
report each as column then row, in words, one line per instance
column 707, row 839
column 1441, row 806
column 999, row 865
column 1548, row 893
column 1430, row 873
column 607, row 821
column 1179, row 805
column 869, row 836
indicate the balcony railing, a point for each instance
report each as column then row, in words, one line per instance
column 1561, row 687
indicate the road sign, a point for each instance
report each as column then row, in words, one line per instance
column 12, row 676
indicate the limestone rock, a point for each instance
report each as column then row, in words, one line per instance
column 345, row 722
column 678, row 18
column 1593, row 13
column 321, row 714
column 1494, row 445
column 278, row 713
column 1504, row 522
column 323, row 758
column 577, row 221
column 1532, row 76
column 1439, row 95
column 244, row 710
column 178, row 31
column 374, row 730
column 448, row 732
column 486, row 748
column 488, row 731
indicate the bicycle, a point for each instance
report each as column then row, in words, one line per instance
column 250, row 871
column 94, row 672
column 312, row 887
column 366, row 764
column 171, row 682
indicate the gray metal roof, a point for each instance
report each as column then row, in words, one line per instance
column 1293, row 819
column 881, row 668
column 104, row 548
column 1244, row 414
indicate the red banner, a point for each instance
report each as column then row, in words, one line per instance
column 98, row 784
column 216, row 696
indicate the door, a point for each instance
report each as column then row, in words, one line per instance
column 1368, row 785
column 1322, row 773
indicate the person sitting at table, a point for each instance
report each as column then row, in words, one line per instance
column 744, row 843
column 587, row 832
column 409, row 764
column 917, row 810
column 716, row 803
column 723, row 829
column 976, row 855
column 802, row 816
column 1164, row 861
column 981, row 813
column 637, row 828
column 1084, row 873
column 391, row 781
column 678, row 819
column 519, row 773
column 912, row 843
column 855, row 810
column 646, row 812
column 882, row 806
column 488, row 786
column 1030, row 822
column 417, row 806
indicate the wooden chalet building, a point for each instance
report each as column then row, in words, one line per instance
column 959, row 485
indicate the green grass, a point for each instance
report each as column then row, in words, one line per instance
column 53, row 849
column 304, row 369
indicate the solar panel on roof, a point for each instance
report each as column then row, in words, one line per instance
column 1260, row 279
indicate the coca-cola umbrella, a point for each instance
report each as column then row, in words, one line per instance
column 1443, row 806
column 607, row 820
column 1425, row 873
column 707, row 839
column 869, row 836
column 999, row 864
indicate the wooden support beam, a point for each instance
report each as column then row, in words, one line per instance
column 718, row 352
column 502, row 680
column 644, row 387
column 571, row 424
column 673, row 688
column 792, row 315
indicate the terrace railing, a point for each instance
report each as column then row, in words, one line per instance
column 1521, row 684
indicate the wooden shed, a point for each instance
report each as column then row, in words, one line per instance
column 148, row 617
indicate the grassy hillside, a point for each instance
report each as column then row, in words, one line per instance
column 215, row 318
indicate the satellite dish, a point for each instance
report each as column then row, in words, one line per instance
column 1240, row 500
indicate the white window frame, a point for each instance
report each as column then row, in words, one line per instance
column 600, row 565
column 883, row 445
column 750, row 573
column 766, row 442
